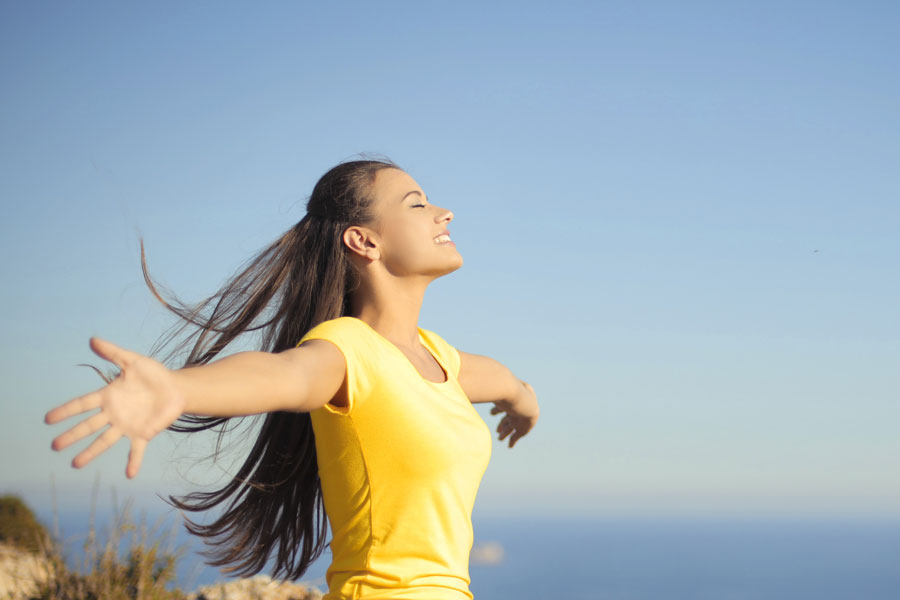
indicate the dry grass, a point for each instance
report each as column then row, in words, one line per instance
column 130, row 562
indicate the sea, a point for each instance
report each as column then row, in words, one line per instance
column 633, row 557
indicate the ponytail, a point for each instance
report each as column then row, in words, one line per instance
column 273, row 505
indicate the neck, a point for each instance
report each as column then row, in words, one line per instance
column 391, row 307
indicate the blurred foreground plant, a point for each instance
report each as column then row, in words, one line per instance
column 18, row 526
column 129, row 565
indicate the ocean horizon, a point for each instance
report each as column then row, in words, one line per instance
column 626, row 557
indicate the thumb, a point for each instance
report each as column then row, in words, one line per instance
column 109, row 351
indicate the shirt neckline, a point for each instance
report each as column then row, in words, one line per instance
column 406, row 358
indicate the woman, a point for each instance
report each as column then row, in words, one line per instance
column 365, row 412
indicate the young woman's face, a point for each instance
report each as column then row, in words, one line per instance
column 412, row 231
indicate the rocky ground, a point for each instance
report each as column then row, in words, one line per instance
column 19, row 572
column 261, row 587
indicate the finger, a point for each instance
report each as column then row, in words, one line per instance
column 76, row 406
column 515, row 438
column 81, row 430
column 114, row 354
column 97, row 447
column 135, row 456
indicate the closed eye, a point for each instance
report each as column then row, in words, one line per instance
column 417, row 206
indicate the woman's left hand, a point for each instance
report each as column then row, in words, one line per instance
column 521, row 414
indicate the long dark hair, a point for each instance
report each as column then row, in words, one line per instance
column 274, row 502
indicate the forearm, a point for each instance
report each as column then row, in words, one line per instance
column 246, row 383
column 484, row 379
column 487, row 380
column 147, row 397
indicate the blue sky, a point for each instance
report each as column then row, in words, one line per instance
column 679, row 223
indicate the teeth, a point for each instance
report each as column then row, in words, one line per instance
column 442, row 238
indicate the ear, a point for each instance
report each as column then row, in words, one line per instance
column 363, row 242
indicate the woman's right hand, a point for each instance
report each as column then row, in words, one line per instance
column 142, row 401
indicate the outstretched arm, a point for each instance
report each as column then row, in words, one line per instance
column 147, row 397
column 484, row 379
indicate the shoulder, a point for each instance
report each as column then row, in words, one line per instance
column 444, row 351
column 355, row 342
column 361, row 346
column 433, row 338
column 342, row 328
column 352, row 337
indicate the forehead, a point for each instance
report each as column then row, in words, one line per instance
column 393, row 185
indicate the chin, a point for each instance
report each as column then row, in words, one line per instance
column 448, row 268
column 456, row 263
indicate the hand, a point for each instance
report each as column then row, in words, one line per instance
column 142, row 401
column 521, row 414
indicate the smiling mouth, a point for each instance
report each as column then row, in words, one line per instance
column 442, row 239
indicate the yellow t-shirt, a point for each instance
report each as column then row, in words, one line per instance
column 400, row 467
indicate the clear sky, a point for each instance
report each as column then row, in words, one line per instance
column 680, row 223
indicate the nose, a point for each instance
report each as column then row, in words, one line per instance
column 445, row 215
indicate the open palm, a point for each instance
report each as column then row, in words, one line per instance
column 142, row 401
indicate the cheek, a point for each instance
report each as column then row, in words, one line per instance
column 401, row 237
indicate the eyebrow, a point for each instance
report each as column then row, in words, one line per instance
column 413, row 192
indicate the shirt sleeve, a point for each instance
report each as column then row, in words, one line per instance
column 347, row 335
